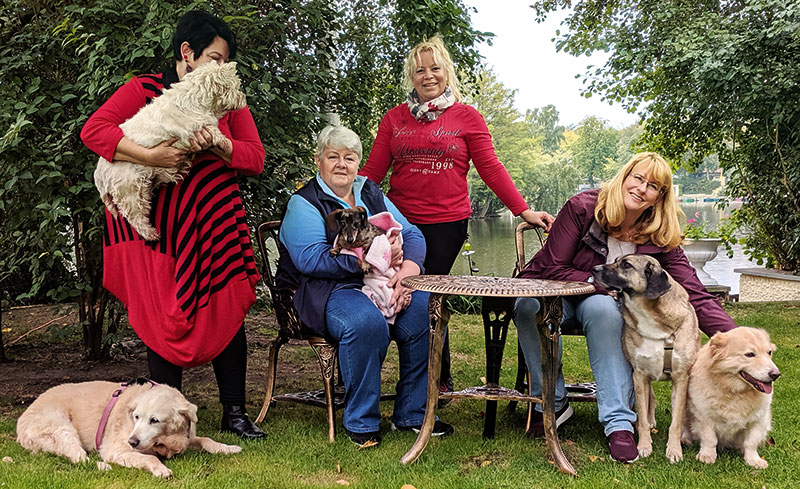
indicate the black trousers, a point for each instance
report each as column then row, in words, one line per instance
column 443, row 242
column 230, row 369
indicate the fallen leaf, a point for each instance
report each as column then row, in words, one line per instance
column 8, row 460
column 483, row 380
column 593, row 458
column 407, row 486
column 486, row 463
column 368, row 444
column 342, row 482
column 338, row 469
column 654, row 430
column 6, row 330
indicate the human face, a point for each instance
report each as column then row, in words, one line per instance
column 430, row 79
column 639, row 191
column 216, row 52
column 338, row 167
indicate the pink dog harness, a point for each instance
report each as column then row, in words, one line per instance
column 101, row 428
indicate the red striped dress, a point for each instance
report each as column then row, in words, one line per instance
column 188, row 293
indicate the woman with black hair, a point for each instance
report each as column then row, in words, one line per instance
column 187, row 294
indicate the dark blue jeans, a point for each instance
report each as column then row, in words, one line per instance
column 363, row 337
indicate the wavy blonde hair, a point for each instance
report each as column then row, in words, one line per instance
column 441, row 56
column 661, row 222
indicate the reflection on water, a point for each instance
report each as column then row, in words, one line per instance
column 493, row 243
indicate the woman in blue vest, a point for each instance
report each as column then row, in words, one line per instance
column 329, row 298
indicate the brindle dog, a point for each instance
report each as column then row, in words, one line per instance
column 656, row 311
column 355, row 231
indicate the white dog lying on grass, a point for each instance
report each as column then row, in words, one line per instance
column 197, row 101
column 144, row 423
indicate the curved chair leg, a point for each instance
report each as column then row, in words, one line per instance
column 326, row 353
column 529, row 421
column 272, row 369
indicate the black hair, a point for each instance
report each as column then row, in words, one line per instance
column 199, row 29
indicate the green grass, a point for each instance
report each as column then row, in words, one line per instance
column 296, row 453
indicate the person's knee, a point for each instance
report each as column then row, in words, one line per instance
column 526, row 308
column 601, row 311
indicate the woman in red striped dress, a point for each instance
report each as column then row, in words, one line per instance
column 187, row 294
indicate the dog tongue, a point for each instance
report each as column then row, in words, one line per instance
column 764, row 387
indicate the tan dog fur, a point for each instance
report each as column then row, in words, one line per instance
column 656, row 311
column 725, row 409
column 158, row 420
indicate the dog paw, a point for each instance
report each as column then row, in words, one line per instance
column 707, row 458
column 103, row 466
column 161, row 471
column 674, row 455
column 229, row 449
column 645, row 450
column 757, row 462
column 78, row 457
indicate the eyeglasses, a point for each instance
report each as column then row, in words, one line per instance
column 651, row 186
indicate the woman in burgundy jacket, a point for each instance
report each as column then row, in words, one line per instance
column 636, row 212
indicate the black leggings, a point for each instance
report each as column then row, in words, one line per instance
column 230, row 368
column 443, row 242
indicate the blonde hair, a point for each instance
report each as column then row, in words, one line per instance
column 659, row 223
column 441, row 56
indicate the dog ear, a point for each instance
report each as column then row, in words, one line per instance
column 189, row 412
column 331, row 220
column 657, row 282
column 717, row 344
column 362, row 216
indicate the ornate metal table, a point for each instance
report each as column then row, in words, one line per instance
column 498, row 295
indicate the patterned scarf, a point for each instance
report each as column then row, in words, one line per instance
column 432, row 109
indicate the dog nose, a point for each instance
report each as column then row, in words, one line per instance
column 133, row 442
column 774, row 374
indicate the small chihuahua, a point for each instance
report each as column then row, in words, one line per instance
column 355, row 231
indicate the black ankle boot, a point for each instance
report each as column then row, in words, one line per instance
column 235, row 420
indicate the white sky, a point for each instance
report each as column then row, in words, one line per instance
column 524, row 58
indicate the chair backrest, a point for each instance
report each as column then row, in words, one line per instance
column 569, row 327
column 520, row 244
column 288, row 320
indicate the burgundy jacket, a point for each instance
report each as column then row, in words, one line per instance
column 577, row 244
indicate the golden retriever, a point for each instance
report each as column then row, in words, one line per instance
column 656, row 313
column 730, row 393
column 145, row 423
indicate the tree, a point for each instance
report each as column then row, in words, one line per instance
column 543, row 124
column 595, row 146
column 710, row 78
column 64, row 58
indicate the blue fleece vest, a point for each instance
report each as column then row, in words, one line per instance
column 312, row 293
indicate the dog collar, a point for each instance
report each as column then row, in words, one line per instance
column 101, row 428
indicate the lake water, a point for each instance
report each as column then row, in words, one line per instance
column 492, row 241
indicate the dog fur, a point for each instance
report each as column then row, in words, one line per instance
column 146, row 423
column 355, row 231
column 656, row 311
column 730, row 394
column 197, row 101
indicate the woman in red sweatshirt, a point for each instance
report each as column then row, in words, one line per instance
column 428, row 142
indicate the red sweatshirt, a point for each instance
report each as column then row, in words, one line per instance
column 430, row 160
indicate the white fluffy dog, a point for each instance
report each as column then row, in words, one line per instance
column 197, row 101
column 730, row 394
column 146, row 422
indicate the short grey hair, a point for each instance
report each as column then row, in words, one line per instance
column 339, row 137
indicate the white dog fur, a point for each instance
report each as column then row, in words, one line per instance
column 146, row 422
column 730, row 394
column 197, row 101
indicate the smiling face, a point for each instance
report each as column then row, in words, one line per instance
column 429, row 79
column 639, row 190
column 338, row 167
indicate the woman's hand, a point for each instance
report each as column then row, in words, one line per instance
column 397, row 250
column 201, row 141
column 401, row 297
column 165, row 155
column 541, row 219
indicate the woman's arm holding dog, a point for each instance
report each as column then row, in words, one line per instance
column 711, row 317
column 102, row 133
column 303, row 235
column 245, row 153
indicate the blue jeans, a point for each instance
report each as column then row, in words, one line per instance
column 363, row 337
column 602, row 323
